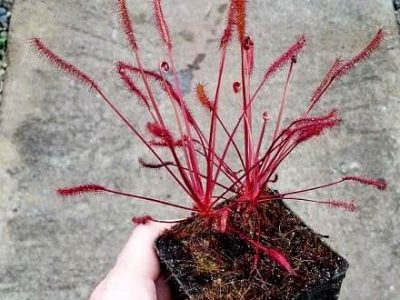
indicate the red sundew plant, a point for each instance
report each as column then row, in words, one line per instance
column 204, row 174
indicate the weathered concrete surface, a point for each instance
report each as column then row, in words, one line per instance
column 54, row 133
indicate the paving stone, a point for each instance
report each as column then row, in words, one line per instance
column 55, row 133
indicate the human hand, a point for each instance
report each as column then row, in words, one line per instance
column 136, row 275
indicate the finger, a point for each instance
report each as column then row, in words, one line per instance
column 136, row 270
column 118, row 286
column 98, row 292
column 138, row 258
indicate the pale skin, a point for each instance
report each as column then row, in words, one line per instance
column 136, row 274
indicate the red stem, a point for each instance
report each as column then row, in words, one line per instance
column 211, row 140
column 148, row 199
column 283, row 100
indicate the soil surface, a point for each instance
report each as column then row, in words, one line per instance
column 205, row 264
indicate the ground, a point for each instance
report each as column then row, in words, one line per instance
column 55, row 133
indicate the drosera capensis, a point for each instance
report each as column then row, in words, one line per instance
column 205, row 174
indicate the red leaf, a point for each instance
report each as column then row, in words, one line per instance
column 203, row 98
column 63, row 65
column 130, row 84
column 286, row 57
column 80, row 189
column 279, row 258
column 142, row 220
column 154, row 165
column 126, row 23
column 161, row 24
column 228, row 31
column 377, row 183
column 347, row 206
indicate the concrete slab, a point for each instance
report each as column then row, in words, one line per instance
column 54, row 133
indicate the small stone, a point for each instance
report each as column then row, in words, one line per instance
column 3, row 11
column 4, row 17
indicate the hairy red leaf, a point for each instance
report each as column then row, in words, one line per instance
column 142, row 220
column 127, row 24
column 80, row 189
column 161, row 23
column 377, row 183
